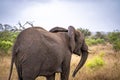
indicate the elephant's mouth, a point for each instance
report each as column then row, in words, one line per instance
column 77, row 52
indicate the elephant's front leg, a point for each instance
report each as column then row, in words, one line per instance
column 65, row 70
column 51, row 77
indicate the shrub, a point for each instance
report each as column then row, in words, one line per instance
column 114, row 39
column 116, row 45
column 91, row 41
column 8, row 35
column 6, row 40
column 96, row 62
column 5, row 46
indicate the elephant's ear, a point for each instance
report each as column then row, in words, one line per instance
column 58, row 29
column 71, row 34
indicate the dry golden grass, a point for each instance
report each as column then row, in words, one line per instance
column 5, row 61
column 110, row 71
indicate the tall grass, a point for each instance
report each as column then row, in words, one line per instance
column 110, row 71
column 5, row 67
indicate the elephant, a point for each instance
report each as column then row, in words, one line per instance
column 38, row 52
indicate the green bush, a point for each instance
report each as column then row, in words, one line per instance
column 8, row 36
column 5, row 46
column 96, row 62
column 91, row 41
column 6, row 40
column 114, row 39
column 116, row 45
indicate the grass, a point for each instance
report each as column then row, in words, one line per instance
column 110, row 71
column 5, row 68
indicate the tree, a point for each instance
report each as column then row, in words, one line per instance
column 100, row 35
column 8, row 27
column 1, row 27
column 86, row 32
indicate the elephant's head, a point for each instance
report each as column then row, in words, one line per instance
column 77, row 44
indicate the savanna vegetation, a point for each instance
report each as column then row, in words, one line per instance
column 103, row 61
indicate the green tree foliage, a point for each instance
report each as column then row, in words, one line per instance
column 86, row 32
column 114, row 39
column 98, row 35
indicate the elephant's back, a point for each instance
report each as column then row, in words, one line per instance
column 31, row 32
column 34, row 39
column 28, row 38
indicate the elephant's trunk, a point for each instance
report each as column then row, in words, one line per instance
column 81, row 63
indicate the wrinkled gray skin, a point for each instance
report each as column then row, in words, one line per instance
column 38, row 52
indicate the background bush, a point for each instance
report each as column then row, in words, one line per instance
column 6, row 40
column 96, row 62
column 114, row 39
column 8, row 37
column 5, row 46
column 91, row 41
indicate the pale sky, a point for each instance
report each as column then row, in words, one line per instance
column 95, row 15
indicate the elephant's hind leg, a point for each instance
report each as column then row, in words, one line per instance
column 28, row 74
column 51, row 77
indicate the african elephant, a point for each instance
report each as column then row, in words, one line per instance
column 38, row 52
